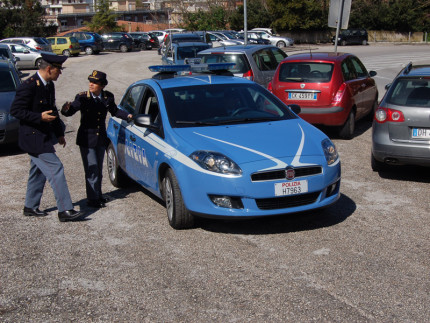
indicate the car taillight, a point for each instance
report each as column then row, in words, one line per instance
column 38, row 47
column 388, row 115
column 269, row 87
column 71, row 46
column 152, row 41
column 339, row 94
column 249, row 75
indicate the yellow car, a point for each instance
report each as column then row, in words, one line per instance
column 66, row 46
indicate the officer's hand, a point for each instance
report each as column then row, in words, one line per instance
column 62, row 141
column 47, row 117
column 65, row 107
column 129, row 118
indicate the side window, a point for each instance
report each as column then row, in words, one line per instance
column 61, row 41
column 131, row 99
column 279, row 55
column 150, row 106
column 347, row 72
column 360, row 70
column 263, row 61
column 51, row 41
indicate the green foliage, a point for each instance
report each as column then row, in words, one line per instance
column 214, row 19
column 22, row 18
column 104, row 19
column 257, row 14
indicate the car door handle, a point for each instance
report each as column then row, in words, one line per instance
column 132, row 138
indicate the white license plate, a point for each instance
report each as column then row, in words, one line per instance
column 421, row 133
column 291, row 188
column 302, row 96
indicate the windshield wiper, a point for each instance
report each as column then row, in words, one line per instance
column 198, row 123
column 250, row 120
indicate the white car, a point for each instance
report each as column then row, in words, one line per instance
column 219, row 39
column 38, row 43
column 274, row 40
column 160, row 34
column 27, row 57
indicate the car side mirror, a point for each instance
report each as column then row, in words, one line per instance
column 17, row 59
column 388, row 86
column 144, row 121
column 372, row 73
column 295, row 108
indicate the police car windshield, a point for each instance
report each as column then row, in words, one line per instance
column 212, row 105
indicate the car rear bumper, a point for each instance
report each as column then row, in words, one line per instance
column 329, row 116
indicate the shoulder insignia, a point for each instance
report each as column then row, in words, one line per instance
column 82, row 93
column 88, row 94
column 38, row 82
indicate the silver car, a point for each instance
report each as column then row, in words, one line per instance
column 401, row 125
column 254, row 62
column 276, row 40
column 29, row 58
column 9, row 81
column 37, row 43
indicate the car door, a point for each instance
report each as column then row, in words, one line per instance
column 26, row 57
column 266, row 60
column 126, row 144
column 146, row 141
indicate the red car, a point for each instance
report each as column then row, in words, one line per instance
column 332, row 89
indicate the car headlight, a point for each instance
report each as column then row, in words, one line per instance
column 216, row 162
column 330, row 151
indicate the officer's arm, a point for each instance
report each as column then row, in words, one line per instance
column 113, row 109
column 22, row 104
column 70, row 108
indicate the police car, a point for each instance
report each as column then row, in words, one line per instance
column 219, row 146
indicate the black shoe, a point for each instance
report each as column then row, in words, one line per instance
column 95, row 203
column 34, row 212
column 69, row 215
column 104, row 200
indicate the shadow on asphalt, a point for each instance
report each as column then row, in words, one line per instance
column 311, row 220
column 418, row 174
column 10, row 150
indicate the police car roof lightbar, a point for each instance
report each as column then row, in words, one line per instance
column 190, row 67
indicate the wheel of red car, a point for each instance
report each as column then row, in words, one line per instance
column 347, row 130
column 177, row 214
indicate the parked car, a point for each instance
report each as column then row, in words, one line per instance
column 9, row 81
column 401, row 126
column 219, row 146
column 254, row 62
column 276, row 40
column 38, row 43
column 67, row 46
column 160, row 34
column 29, row 58
column 333, row 89
column 6, row 53
column 144, row 40
column 178, row 53
column 255, row 39
column 218, row 39
column 178, row 38
column 91, row 43
column 118, row 41
column 351, row 36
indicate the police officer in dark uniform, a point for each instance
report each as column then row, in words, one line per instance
column 40, row 129
column 92, row 137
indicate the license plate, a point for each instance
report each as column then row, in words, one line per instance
column 291, row 188
column 421, row 133
column 302, row 96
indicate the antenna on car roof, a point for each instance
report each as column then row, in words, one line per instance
column 408, row 68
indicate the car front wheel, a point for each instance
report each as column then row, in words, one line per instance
column 347, row 130
column 116, row 175
column 178, row 215
column 66, row 52
column 123, row 48
column 280, row 44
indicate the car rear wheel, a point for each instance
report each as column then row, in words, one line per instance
column 347, row 130
column 123, row 48
column 89, row 51
column 376, row 165
column 281, row 44
column 66, row 52
column 178, row 215
column 38, row 62
column 116, row 175
column 364, row 42
column 343, row 43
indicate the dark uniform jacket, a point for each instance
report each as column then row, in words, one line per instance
column 92, row 131
column 31, row 99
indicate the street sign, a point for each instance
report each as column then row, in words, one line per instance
column 336, row 7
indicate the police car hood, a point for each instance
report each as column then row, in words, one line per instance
column 254, row 141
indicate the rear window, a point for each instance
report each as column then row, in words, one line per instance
column 40, row 41
column 306, row 72
column 190, row 51
column 4, row 52
column 242, row 65
column 410, row 92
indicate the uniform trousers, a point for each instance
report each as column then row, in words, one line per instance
column 92, row 159
column 47, row 166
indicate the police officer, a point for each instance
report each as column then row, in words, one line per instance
column 92, row 137
column 41, row 128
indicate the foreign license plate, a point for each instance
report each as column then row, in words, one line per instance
column 291, row 188
column 421, row 133
column 302, row 96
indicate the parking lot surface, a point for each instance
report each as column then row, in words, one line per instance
column 364, row 259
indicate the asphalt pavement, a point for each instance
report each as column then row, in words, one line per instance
column 364, row 259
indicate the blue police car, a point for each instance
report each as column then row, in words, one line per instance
column 219, row 146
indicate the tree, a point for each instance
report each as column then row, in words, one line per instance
column 213, row 19
column 257, row 13
column 22, row 18
column 104, row 19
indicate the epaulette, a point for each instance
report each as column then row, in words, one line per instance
column 82, row 93
column 107, row 94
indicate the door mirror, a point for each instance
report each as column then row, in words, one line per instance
column 295, row 108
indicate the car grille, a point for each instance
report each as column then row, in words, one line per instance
column 284, row 202
column 280, row 173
